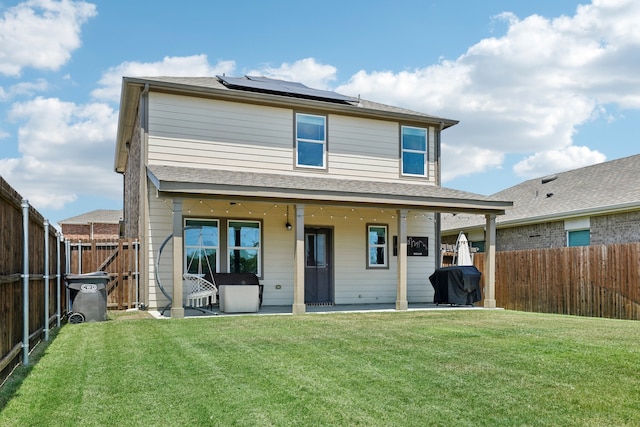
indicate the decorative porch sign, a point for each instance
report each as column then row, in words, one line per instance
column 416, row 246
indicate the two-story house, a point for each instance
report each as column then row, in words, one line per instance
column 328, row 199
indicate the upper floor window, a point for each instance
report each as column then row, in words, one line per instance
column 414, row 151
column 311, row 141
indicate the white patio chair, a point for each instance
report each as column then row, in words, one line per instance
column 198, row 292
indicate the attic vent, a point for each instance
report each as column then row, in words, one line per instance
column 549, row 195
column 549, row 179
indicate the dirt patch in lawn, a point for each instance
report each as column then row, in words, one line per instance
column 128, row 315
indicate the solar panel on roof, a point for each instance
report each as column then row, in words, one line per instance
column 265, row 84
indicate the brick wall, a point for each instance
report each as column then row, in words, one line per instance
column 605, row 230
column 617, row 228
column 535, row 236
column 83, row 231
column 131, row 190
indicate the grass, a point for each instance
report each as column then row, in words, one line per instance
column 458, row 368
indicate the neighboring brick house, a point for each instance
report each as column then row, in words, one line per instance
column 98, row 224
column 593, row 205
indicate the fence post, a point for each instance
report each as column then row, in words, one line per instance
column 58, row 309
column 25, row 282
column 67, row 269
column 46, row 279
column 137, row 273
column 79, row 256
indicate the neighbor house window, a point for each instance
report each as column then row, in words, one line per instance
column 244, row 247
column 311, row 141
column 201, row 244
column 578, row 238
column 414, row 151
column 377, row 247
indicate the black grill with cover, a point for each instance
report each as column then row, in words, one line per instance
column 458, row 285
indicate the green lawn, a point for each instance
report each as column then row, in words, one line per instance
column 455, row 368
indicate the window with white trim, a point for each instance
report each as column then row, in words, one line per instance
column 377, row 246
column 201, row 245
column 578, row 238
column 244, row 240
column 311, row 141
column 414, row 151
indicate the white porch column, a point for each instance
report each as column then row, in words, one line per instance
column 298, row 268
column 401, row 293
column 490, row 262
column 177, row 310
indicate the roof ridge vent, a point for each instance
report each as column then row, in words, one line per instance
column 549, row 179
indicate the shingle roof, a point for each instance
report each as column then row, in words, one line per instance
column 600, row 188
column 100, row 216
column 214, row 83
column 178, row 179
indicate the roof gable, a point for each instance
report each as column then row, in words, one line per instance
column 99, row 216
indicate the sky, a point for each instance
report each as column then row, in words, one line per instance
column 538, row 87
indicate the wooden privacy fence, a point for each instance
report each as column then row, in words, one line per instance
column 32, row 292
column 597, row 281
column 119, row 258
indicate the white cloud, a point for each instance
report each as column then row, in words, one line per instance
column 23, row 89
column 548, row 162
column 306, row 71
column 41, row 34
column 67, row 151
column 462, row 161
column 528, row 90
column 174, row 66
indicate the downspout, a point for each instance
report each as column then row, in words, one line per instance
column 25, row 282
column 46, row 280
column 143, row 274
column 437, row 215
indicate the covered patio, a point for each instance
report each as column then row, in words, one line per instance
column 178, row 187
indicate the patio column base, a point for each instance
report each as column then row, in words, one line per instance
column 402, row 305
column 489, row 303
column 177, row 313
column 299, row 308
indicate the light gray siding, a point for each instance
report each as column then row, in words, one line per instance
column 354, row 283
column 160, row 226
column 199, row 132
column 419, row 268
